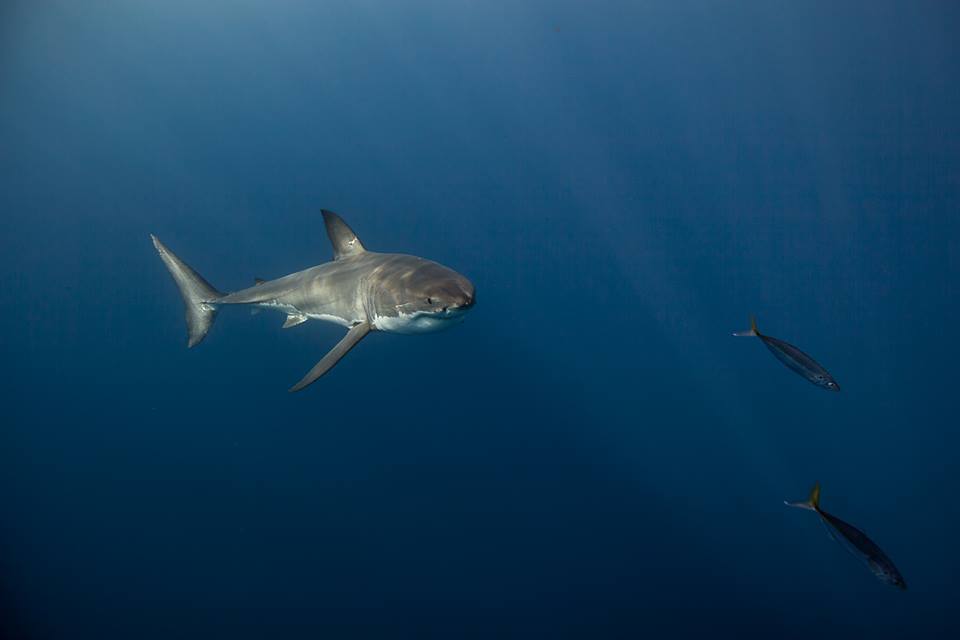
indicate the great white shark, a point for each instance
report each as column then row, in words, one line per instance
column 361, row 290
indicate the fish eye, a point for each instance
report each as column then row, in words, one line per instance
column 429, row 300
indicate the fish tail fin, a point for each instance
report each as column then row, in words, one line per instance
column 752, row 331
column 199, row 296
column 812, row 502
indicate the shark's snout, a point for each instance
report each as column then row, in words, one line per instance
column 467, row 297
column 454, row 294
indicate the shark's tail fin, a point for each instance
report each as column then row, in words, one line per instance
column 199, row 296
column 812, row 503
column 752, row 331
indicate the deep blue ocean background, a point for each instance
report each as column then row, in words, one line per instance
column 591, row 454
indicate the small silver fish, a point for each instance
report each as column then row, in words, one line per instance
column 795, row 359
column 854, row 541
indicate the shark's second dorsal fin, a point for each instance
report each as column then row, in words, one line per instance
column 345, row 242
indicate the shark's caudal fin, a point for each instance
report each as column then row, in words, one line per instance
column 345, row 242
column 752, row 331
column 198, row 294
column 812, row 503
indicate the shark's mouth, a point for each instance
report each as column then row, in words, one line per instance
column 450, row 313
column 442, row 312
column 420, row 321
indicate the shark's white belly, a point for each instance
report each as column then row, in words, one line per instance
column 291, row 310
column 326, row 317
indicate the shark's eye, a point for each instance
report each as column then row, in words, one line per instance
column 429, row 300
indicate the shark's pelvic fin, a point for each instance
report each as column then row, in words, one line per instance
column 812, row 503
column 199, row 296
column 294, row 319
column 345, row 242
column 348, row 342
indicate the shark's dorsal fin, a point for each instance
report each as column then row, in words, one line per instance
column 345, row 242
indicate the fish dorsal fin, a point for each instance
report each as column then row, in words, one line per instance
column 345, row 242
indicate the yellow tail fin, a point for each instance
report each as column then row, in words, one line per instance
column 752, row 331
column 814, row 498
column 812, row 502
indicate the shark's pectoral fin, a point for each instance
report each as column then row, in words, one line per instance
column 348, row 342
column 294, row 319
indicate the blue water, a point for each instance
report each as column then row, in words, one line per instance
column 590, row 454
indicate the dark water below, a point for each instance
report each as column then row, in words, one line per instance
column 590, row 454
